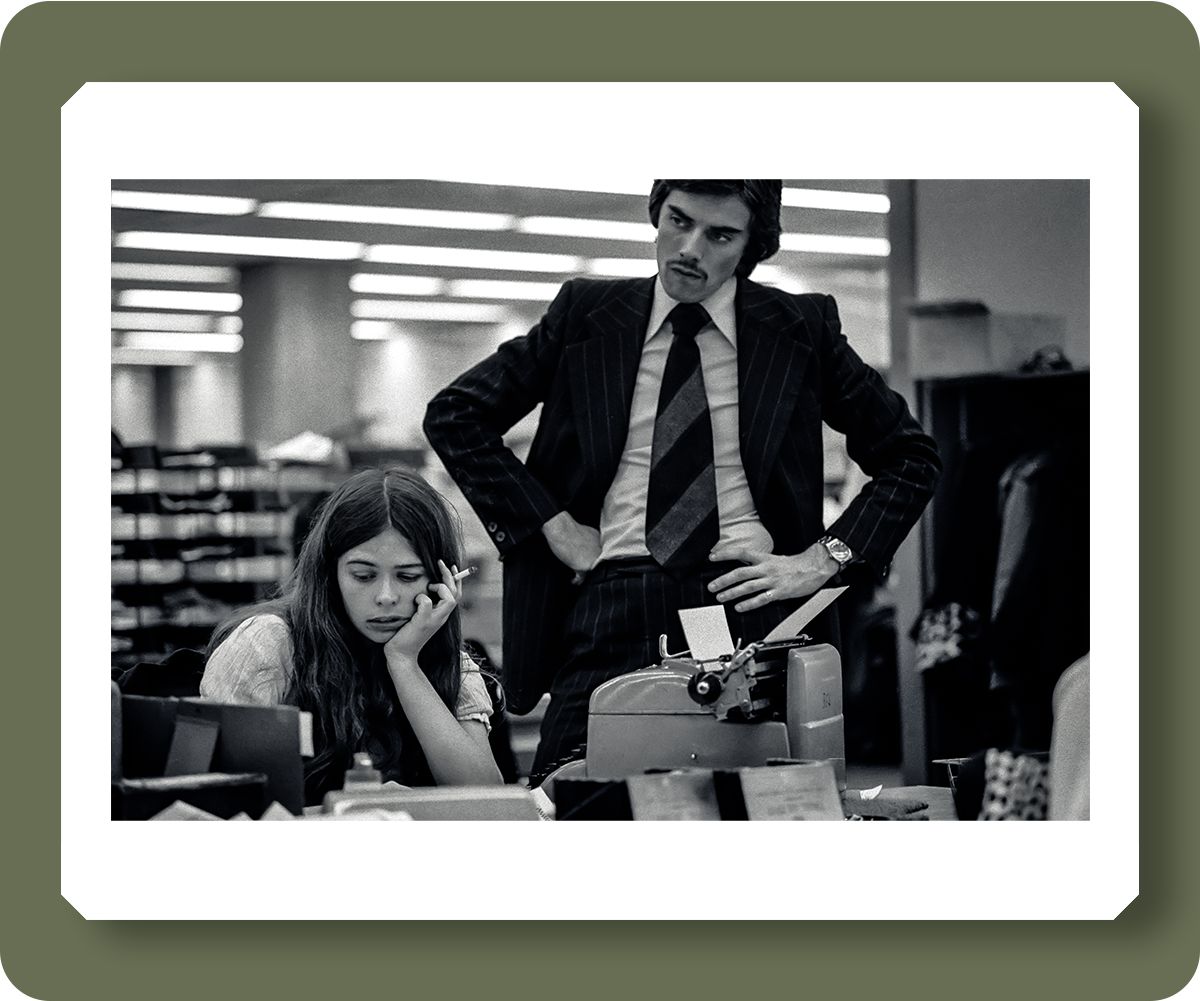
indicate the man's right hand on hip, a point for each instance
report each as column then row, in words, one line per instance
column 576, row 545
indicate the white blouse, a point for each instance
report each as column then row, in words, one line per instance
column 254, row 663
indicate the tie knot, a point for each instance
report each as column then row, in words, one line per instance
column 688, row 319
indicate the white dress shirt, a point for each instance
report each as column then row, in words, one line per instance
column 623, row 518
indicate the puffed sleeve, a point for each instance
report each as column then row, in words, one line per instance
column 252, row 666
column 473, row 699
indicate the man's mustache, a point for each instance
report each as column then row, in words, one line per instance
column 688, row 267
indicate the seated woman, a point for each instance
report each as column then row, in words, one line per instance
column 366, row 637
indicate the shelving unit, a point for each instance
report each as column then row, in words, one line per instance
column 197, row 534
column 191, row 544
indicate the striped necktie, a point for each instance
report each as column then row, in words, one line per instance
column 681, row 501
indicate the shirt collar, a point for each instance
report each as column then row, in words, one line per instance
column 719, row 306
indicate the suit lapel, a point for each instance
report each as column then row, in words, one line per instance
column 603, row 369
column 771, row 361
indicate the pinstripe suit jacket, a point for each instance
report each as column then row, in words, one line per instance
column 795, row 370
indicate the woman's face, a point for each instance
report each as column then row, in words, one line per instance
column 379, row 581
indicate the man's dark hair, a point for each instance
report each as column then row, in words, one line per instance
column 762, row 198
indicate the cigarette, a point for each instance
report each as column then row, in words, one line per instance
column 466, row 573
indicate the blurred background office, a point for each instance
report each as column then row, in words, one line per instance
column 270, row 335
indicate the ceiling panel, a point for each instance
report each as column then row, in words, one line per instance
column 859, row 278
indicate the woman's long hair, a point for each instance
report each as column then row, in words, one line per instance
column 339, row 675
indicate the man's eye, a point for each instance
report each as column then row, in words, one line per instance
column 721, row 237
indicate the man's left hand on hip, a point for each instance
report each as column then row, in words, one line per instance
column 767, row 578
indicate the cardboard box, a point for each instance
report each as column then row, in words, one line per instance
column 978, row 343
column 218, row 793
column 262, row 740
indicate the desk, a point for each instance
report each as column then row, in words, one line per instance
column 940, row 800
column 515, row 803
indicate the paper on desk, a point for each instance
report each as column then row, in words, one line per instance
column 707, row 632
column 179, row 810
column 308, row 446
column 375, row 814
column 544, row 804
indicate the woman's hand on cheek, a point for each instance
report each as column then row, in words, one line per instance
column 432, row 611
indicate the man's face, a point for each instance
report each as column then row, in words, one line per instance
column 700, row 241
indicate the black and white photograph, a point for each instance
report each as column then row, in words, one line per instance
column 488, row 493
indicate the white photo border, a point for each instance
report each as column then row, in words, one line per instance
column 550, row 134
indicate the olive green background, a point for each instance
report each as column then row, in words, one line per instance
column 1150, row 50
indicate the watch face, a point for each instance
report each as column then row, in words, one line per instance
column 838, row 550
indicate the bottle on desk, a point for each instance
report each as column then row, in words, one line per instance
column 362, row 775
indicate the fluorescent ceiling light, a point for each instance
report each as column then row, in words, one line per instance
column 461, row 257
column 845, row 201
column 772, row 274
column 186, row 322
column 482, row 288
column 162, row 321
column 249, row 246
column 167, row 201
column 191, row 274
column 159, row 359
column 767, row 273
column 395, row 284
column 599, row 229
column 373, row 330
column 163, row 298
column 821, row 243
column 386, row 215
column 635, row 187
column 609, row 186
column 407, row 309
column 622, row 267
column 156, row 340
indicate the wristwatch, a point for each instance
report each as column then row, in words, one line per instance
column 841, row 552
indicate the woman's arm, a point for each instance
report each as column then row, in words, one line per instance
column 457, row 751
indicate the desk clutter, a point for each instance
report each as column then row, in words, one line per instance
column 793, row 791
column 192, row 759
column 163, row 776
column 221, row 759
column 784, row 790
column 787, row 791
column 749, row 734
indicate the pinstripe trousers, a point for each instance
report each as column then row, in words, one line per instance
column 613, row 628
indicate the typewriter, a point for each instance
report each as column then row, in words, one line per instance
column 777, row 698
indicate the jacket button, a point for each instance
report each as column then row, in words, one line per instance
column 492, row 526
column 500, row 536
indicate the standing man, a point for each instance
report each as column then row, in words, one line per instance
column 678, row 457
